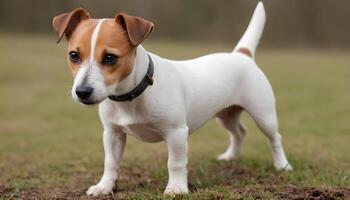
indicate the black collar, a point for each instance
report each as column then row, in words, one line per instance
column 137, row 91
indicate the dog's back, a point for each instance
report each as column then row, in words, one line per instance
column 219, row 78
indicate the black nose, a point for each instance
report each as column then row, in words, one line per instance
column 84, row 92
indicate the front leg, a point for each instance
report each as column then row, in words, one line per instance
column 177, row 143
column 113, row 143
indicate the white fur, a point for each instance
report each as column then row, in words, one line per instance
column 94, row 40
column 185, row 95
column 251, row 36
column 81, row 74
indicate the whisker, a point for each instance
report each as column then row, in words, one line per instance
column 68, row 92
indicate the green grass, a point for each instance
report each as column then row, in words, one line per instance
column 50, row 147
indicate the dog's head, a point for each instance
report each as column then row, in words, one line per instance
column 101, row 52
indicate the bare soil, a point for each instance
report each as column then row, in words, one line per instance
column 288, row 192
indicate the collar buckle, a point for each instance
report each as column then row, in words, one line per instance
column 150, row 79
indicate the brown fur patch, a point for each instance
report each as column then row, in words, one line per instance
column 245, row 51
column 80, row 42
column 113, row 39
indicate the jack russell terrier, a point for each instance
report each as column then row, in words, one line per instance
column 157, row 99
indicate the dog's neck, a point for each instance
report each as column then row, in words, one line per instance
column 137, row 74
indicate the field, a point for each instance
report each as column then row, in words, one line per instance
column 51, row 147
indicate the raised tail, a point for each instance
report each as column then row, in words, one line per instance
column 250, row 39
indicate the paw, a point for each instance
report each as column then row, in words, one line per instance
column 283, row 167
column 99, row 189
column 227, row 156
column 174, row 189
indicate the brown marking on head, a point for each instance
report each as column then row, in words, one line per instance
column 77, row 27
column 113, row 39
column 245, row 51
column 80, row 42
column 119, row 36
column 66, row 23
column 138, row 29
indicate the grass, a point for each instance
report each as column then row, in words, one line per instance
column 51, row 148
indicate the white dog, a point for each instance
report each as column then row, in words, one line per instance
column 157, row 99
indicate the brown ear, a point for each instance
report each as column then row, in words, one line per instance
column 138, row 29
column 66, row 23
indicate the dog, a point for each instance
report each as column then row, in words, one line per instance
column 157, row 99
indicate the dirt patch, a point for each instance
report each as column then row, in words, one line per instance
column 82, row 195
column 295, row 193
column 32, row 194
column 6, row 192
column 223, row 182
column 287, row 193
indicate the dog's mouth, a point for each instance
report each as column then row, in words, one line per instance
column 88, row 98
column 88, row 102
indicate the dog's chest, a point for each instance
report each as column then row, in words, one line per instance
column 136, row 121
column 144, row 132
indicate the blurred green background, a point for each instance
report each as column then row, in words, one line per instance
column 51, row 147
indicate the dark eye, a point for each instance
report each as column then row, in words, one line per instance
column 74, row 56
column 109, row 59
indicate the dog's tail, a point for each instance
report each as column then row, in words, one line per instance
column 250, row 39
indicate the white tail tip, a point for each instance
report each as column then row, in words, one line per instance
column 251, row 36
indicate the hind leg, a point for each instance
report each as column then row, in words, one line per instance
column 229, row 119
column 266, row 119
